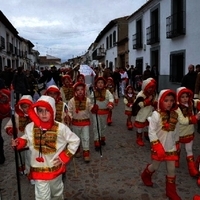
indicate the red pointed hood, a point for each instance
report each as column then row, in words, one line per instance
column 47, row 102
column 25, row 99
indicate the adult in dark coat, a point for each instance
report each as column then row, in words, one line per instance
column 189, row 79
column 20, row 83
column 117, row 79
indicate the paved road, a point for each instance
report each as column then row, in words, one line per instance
column 114, row 176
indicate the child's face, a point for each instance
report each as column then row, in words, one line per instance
column 184, row 98
column 100, row 84
column 66, row 82
column 43, row 114
column 81, row 79
column 130, row 91
column 109, row 82
column 168, row 102
column 25, row 107
column 53, row 94
column 80, row 91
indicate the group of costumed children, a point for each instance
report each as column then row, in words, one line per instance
column 167, row 122
column 46, row 144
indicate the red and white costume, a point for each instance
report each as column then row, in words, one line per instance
column 5, row 111
column 21, row 120
column 129, row 99
column 186, row 132
column 66, row 91
column 48, row 141
column 145, row 108
column 61, row 106
column 111, row 87
column 104, row 101
column 164, row 139
column 79, row 111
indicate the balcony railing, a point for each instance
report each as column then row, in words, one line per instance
column 99, row 53
column 137, row 41
column 153, row 34
column 175, row 25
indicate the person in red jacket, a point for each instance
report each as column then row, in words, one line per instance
column 52, row 144
column 5, row 111
column 164, row 139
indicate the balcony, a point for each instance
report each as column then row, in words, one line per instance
column 2, row 43
column 98, row 53
column 137, row 41
column 153, row 34
column 175, row 25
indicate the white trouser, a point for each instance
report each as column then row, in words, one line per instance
column 49, row 189
column 101, row 126
column 123, row 86
column 83, row 132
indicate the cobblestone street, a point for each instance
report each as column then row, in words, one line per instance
column 114, row 176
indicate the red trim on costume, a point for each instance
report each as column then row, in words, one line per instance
column 102, row 111
column 141, row 124
column 127, row 112
column 186, row 139
column 110, row 104
column 193, row 119
column 65, row 159
column 47, row 175
column 81, row 122
column 147, row 102
column 21, row 143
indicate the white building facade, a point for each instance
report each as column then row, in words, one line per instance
column 165, row 33
column 15, row 51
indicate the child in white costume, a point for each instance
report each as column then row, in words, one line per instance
column 103, row 102
column 47, row 140
column 186, row 132
column 144, row 104
column 164, row 139
column 21, row 119
column 61, row 107
column 79, row 111
column 129, row 99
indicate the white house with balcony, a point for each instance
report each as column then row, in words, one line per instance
column 15, row 51
column 165, row 33
column 105, row 48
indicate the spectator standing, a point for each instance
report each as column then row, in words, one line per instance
column 155, row 74
column 124, row 80
column 20, row 83
column 117, row 79
column 147, row 73
column 189, row 79
column 7, row 76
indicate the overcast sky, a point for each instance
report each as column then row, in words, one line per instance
column 64, row 28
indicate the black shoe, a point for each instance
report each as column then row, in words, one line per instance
column 103, row 143
column 2, row 159
column 97, row 148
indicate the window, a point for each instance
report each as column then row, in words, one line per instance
column 107, row 43
column 114, row 38
column 177, row 63
column 110, row 40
